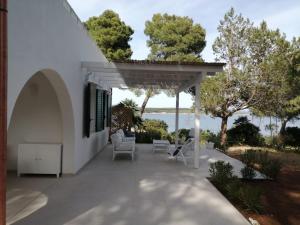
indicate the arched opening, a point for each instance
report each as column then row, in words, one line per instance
column 42, row 114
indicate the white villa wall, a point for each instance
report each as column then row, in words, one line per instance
column 36, row 117
column 46, row 35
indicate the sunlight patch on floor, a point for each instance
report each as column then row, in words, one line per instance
column 22, row 203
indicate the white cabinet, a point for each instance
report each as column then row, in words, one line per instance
column 39, row 159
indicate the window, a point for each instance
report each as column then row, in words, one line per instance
column 108, row 110
column 97, row 110
column 100, row 110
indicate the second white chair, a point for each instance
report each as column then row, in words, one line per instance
column 122, row 147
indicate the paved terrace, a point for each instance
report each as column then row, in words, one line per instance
column 152, row 190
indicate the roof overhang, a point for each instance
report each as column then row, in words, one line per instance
column 178, row 76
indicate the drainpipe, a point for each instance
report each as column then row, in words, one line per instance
column 3, row 108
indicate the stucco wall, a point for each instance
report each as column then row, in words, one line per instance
column 36, row 117
column 43, row 35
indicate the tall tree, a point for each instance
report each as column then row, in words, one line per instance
column 283, row 68
column 221, row 96
column 111, row 35
column 243, row 84
column 173, row 38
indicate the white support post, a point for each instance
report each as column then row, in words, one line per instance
column 197, row 126
column 177, row 119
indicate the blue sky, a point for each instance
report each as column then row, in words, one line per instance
column 282, row 14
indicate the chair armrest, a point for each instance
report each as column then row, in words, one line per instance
column 126, row 145
column 129, row 139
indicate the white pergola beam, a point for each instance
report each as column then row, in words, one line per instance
column 117, row 67
column 177, row 120
column 146, row 74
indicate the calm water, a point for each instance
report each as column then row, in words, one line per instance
column 212, row 124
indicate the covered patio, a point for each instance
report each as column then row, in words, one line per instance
column 144, row 74
column 152, row 190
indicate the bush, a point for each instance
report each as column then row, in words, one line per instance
column 152, row 129
column 221, row 173
column 249, row 157
column 271, row 168
column 208, row 136
column 244, row 132
column 150, row 134
column 291, row 136
column 154, row 124
column 233, row 189
column 268, row 167
column 262, row 157
column 248, row 173
column 183, row 135
column 250, row 197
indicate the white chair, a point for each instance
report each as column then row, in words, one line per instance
column 122, row 147
column 124, row 138
column 185, row 151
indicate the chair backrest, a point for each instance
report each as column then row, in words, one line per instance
column 116, row 139
column 188, row 146
column 121, row 133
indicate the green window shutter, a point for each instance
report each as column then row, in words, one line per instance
column 104, row 103
column 109, row 102
column 99, row 110
column 87, row 110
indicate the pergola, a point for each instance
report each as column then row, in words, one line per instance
column 177, row 76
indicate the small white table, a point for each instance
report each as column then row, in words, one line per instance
column 161, row 145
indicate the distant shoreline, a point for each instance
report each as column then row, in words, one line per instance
column 181, row 111
column 167, row 110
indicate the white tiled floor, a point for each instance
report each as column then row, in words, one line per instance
column 152, row 190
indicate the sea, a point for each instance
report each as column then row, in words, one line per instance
column 186, row 120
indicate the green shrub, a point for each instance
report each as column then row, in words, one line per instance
column 208, row 136
column 233, row 189
column 244, row 132
column 150, row 134
column 291, row 136
column 249, row 157
column 271, row 168
column 152, row 129
column 183, row 135
column 250, row 197
column 154, row 124
column 221, row 173
column 248, row 173
column 262, row 158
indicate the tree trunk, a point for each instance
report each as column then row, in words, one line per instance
column 281, row 138
column 283, row 127
column 148, row 96
column 271, row 128
column 224, row 131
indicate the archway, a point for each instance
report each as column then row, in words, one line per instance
column 42, row 113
